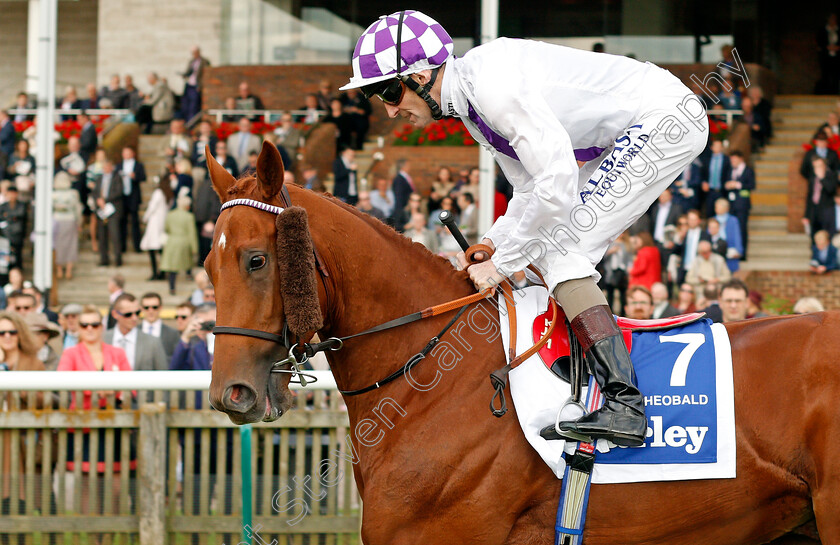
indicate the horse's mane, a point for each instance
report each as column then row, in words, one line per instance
column 247, row 186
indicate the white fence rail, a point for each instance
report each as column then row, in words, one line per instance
column 71, row 381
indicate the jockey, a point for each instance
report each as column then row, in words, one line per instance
column 587, row 140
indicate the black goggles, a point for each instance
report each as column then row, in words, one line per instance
column 390, row 91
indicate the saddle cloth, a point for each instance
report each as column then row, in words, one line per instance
column 685, row 374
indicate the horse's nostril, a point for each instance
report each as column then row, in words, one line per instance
column 239, row 398
column 235, row 394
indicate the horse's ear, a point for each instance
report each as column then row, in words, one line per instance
column 221, row 178
column 270, row 171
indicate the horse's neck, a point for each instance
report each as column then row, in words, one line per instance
column 376, row 276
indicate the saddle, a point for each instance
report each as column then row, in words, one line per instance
column 555, row 345
column 556, row 353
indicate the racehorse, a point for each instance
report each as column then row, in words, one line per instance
column 446, row 471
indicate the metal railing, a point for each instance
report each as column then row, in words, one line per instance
column 120, row 112
column 267, row 116
column 728, row 114
column 165, row 468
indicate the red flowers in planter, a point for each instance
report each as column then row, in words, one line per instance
column 65, row 129
column 446, row 132
column 226, row 128
column 718, row 129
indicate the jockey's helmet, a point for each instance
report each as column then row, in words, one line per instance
column 393, row 48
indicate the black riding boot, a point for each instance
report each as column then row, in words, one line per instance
column 622, row 417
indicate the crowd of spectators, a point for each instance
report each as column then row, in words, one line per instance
column 821, row 169
column 678, row 258
column 398, row 202
column 129, row 336
column 691, row 240
column 107, row 196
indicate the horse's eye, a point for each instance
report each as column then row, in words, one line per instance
column 257, row 262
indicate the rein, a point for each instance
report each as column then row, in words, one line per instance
column 306, row 350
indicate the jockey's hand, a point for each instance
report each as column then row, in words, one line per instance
column 484, row 275
column 481, row 256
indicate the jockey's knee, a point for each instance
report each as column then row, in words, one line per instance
column 577, row 295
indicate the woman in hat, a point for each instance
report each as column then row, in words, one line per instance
column 182, row 241
column 42, row 331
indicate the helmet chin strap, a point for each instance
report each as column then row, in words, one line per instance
column 423, row 92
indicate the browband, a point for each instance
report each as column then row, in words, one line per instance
column 265, row 207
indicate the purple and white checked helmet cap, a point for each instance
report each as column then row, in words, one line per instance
column 425, row 45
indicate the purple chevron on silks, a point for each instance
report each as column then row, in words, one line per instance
column 493, row 138
column 587, row 154
column 503, row 146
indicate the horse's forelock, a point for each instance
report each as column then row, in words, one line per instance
column 243, row 187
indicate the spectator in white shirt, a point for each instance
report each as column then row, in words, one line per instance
column 692, row 239
column 144, row 352
column 152, row 324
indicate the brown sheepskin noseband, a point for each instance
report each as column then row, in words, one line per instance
column 298, row 282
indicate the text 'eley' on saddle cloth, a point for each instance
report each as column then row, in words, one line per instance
column 685, row 374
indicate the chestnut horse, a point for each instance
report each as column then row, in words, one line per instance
column 447, row 471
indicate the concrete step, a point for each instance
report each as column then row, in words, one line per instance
column 773, row 264
column 770, row 223
column 784, row 251
column 770, row 189
column 767, row 233
column 771, row 163
column 814, row 106
column 791, row 139
column 768, row 210
column 771, row 178
column 770, row 199
column 786, row 100
column 149, row 146
column 777, row 237
column 90, row 281
column 775, row 149
column 785, row 132
column 798, row 122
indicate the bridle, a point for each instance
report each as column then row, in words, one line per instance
column 299, row 352
column 285, row 338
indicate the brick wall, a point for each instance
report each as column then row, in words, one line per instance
column 282, row 87
column 792, row 285
column 797, row 192
column 279, row 87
